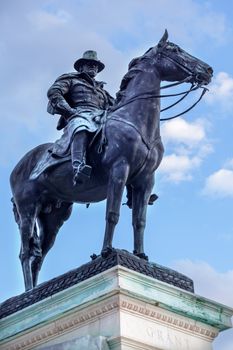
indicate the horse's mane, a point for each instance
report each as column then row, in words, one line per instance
column 134, row 68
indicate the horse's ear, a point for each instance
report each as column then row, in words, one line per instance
column 163, row 40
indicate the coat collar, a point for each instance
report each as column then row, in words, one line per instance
column 84, row 76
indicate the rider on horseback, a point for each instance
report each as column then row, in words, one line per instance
column 82, row 103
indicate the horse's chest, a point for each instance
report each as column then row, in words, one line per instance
column 150, row 160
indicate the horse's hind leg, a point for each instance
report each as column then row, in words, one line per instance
column 117, row 180
column 26, row 221
column 141, row 195
column 49, row 225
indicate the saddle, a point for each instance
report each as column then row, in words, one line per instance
column 49, row 159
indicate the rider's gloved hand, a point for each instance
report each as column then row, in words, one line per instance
column 71, row 113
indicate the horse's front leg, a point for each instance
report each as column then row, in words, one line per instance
column 116, row 184
column 141, row 195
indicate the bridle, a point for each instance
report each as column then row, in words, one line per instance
column 194, row 86
column 148, row 95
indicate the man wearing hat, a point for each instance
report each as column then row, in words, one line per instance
column 82, row 102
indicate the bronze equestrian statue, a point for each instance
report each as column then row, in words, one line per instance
column 130, row 155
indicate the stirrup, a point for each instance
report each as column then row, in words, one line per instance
column 82, row 173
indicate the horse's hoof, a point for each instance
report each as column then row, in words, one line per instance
column 141, row 255
column 28, row 288
column 152, row 199
column 106, row 252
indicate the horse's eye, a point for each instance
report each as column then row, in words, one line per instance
column 175, row 49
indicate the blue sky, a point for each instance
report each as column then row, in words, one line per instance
column 191, row 226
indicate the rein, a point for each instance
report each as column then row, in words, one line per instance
column 184, row 94
column 151, row 95
column 188, row 109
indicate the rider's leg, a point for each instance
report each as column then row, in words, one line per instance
column 78, row 155
column 78, row 148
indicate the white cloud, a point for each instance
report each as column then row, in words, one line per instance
column 43, row 20
column 220, row 184
column 178, row 168
column 221, row 90
column 178, row 22
column 208, row 282
column 210, row 20
column 191, row 146
column 180, row 131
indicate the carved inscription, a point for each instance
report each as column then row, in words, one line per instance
column 171, row 341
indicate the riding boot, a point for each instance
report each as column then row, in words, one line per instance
column 82, row 172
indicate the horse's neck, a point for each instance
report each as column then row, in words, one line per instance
column 144, row 113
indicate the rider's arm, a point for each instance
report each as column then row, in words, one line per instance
column 56, row 96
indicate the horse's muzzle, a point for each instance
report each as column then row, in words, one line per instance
column 204, row 76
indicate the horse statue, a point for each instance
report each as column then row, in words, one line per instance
column 129, row 158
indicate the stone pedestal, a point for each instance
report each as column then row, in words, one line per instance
column 117, row 309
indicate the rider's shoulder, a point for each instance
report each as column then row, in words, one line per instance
column 67, row 76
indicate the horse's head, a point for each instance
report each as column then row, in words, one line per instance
column 175, row 64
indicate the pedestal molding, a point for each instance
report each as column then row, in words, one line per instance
column 124, row 341
column 74, row 321
column 61, row 327
column 168, row 319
